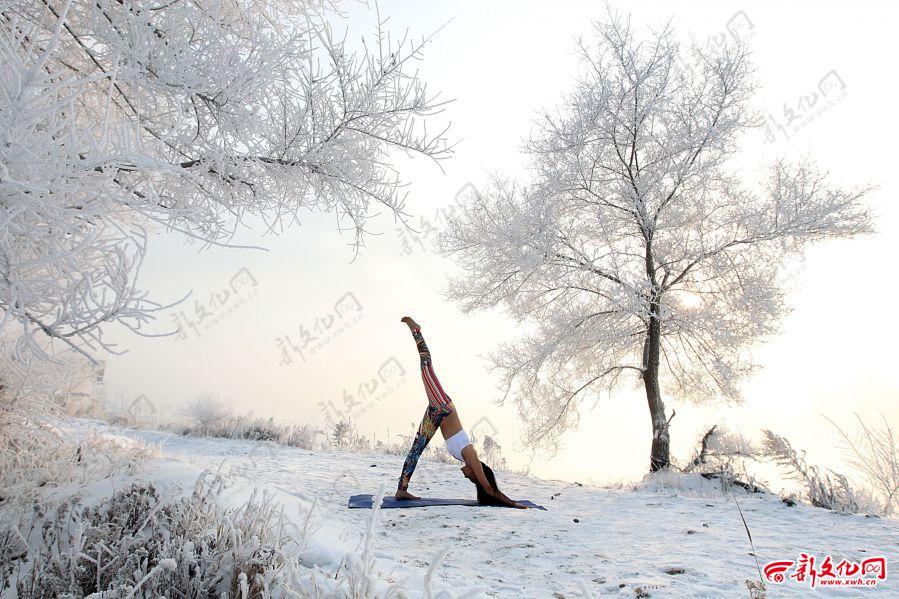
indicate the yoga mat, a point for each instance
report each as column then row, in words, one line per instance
column 366, row 501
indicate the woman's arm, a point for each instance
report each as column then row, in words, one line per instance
column 473, row 462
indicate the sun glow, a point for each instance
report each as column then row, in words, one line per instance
column 688, row 300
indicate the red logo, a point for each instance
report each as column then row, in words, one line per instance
column 807, row 570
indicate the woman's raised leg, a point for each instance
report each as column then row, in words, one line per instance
column 439, row 407
column 437, row 397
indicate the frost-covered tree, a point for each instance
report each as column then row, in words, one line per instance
column 636, row 245
column 119, row 115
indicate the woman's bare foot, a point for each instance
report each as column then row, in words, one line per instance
column 412, row 324
column 400, row 494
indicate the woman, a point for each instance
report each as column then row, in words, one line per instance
column 442, row 413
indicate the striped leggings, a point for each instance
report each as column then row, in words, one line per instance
column 439, row 407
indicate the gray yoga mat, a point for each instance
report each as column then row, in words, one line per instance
column 366, row 501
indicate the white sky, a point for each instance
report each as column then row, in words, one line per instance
column 501, row 61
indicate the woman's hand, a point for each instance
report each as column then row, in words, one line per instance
column 411, row 323
column 502, row 497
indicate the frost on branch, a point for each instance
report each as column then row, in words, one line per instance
column 190, row 116
column 728, row 456
column 635, row 246
column 833, row 491
column 873, row 450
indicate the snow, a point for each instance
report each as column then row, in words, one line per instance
column 612, row 540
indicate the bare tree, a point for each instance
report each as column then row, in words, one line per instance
column 116, row 115
column 636, row 245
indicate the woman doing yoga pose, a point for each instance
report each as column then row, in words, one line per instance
column 442, row 413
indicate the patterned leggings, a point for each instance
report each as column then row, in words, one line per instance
column 439, row 407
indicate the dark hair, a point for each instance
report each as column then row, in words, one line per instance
column 485, row 498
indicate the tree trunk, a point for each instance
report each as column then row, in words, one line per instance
column 659, row 454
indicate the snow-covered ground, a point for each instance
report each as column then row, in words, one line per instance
column 666, row 541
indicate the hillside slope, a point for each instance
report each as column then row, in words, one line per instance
column 679, row 537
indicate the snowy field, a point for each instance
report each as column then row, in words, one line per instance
column 678, row 539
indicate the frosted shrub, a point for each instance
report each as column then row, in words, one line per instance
column 304, row 437
column 832, row 491
column 727, row 456
column 874, row 452
column 139, row 544
column 39, row 457
column 136, row 542
column 207, row 411
column 341, row 433
column 345, row 436
column 491, row 453
column 34, row 395
column 254, row 429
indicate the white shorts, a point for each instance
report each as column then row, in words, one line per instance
column 456, row 443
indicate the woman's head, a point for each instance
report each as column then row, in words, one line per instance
column 483, row 497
